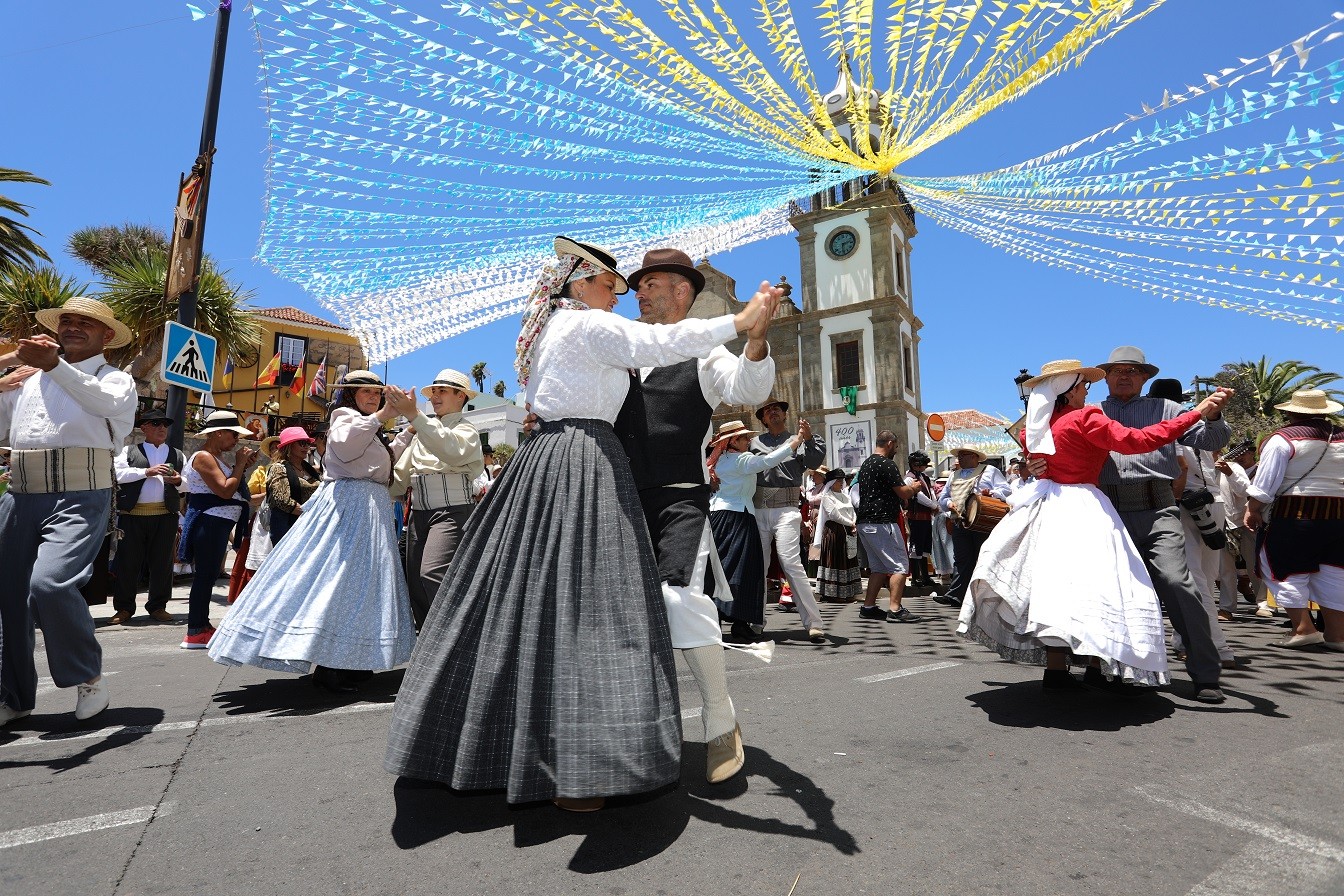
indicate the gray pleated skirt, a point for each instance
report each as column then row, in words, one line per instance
column 545, row 666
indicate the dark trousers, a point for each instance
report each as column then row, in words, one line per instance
column 431, row 544
column 211, row 536
column 145, row 541
column 1160, row 538
column 966, row 547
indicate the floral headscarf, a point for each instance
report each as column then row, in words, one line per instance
column 544, row 299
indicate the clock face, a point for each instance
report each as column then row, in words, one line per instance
column 842, row 243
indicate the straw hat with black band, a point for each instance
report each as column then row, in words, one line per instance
column 86, row 307
column 454, row 379
column 223, row 421
column 363, row 379
column 731, row 430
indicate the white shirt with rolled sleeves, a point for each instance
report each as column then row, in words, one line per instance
column 70, row 406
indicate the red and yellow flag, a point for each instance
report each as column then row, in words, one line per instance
column 296, row 387
column 271, row 371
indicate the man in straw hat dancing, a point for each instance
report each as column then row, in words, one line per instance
column 1301, row 473
column 64, row 425
column 1140, row 487
column 664, row 426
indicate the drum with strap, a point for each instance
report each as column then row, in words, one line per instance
column 983, row 513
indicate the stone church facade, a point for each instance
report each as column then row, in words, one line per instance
column 856, row 325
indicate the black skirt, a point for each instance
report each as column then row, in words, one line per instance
column 545, row 665
column 838, row 577
column 738, row 543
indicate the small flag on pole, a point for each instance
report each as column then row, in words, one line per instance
column 318, row 387
column 296, row 387
column 228, row 370
column 271, row 372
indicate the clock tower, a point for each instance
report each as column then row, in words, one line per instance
column 854, row 334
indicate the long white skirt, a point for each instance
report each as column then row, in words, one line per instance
column 1061, row 571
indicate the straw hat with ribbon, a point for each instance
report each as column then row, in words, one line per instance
column 1055, row 378
column 731, row 430
column 223, row 421
column 51, row 318
column 454, row 379
column 1311, row 402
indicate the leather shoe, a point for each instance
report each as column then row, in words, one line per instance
column 93, row 699
column 9, row 714
column 162, row 616
column 331, row 680
column 119, row 618
column 724, row 756
column 1209, row 693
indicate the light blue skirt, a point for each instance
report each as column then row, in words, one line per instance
column 331, row 593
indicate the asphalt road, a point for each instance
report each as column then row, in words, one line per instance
column 896, row 759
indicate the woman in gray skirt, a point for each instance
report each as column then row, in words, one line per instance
column 545, row 666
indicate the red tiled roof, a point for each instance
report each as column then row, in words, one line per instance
column 970, row 419
column 294, row 315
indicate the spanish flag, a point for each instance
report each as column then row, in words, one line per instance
column 270, row 373
column 296, row 386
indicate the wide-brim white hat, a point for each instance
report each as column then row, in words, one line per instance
column 595, row 256
column 51, row 318
column 1312, row 402
column 980, row 455
column 731, row 430
column 223, row 421
column 455, row 379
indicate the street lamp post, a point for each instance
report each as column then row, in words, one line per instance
column 1022, row 391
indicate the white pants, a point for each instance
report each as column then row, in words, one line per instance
column 1205, row 565
column 783, row 526
column 1326, row 588
column 692, row 617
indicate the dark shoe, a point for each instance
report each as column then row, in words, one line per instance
column 1209, row 693
column 903, row 615
column 162, row 616
column 331, row 680
column 1095, row 679
column 580, row 804
column 1060, row 680
column 121, row 617
column 943, row 599
column 358, row 675
column 873, row 612
column 741, row 631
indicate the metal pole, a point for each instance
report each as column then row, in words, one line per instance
column 186, row 308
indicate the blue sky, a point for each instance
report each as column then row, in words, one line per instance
column 111, row 120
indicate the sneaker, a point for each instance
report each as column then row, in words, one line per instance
column 93, row 699
column 198, row 641
column 903, row 615
column 873, row 612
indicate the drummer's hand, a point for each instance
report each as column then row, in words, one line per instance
column 1038, row 466
column 986, row 492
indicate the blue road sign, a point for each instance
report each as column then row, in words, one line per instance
column 188, row 357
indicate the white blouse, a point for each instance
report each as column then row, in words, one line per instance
column 583, row 359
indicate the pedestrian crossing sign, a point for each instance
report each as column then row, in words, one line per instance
column 188, row 357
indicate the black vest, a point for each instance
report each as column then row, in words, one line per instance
column 662, row 426
column 128, row 495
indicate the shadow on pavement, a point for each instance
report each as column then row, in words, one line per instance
column 136, row 722
column 295, row 695
column 427, row 811
column 1025, row 704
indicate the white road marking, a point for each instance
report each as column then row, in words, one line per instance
column 902, row 673
column 1284, row 838
column 1268, row 869
column 47, row 686
column 75, row 826
column 102, row 733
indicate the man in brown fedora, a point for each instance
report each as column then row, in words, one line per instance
column 64, row 425
column 1140, row 487
column 664, row 425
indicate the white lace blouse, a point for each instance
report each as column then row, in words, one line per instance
column 583, row 359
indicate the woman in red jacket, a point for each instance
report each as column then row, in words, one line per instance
column 1059, row 574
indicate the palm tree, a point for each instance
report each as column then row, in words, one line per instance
column 1263, row 384
column 17, row 248
column 133, row 262
column 478, row 373
column 500, row 388
column 24, row 291
column 134, row 290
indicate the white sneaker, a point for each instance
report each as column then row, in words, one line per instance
column 93, row 699
column 9, row 714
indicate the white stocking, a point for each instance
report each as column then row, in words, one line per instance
column 712, row 677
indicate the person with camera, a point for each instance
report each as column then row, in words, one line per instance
column 1140, row 487
column 1238, row 467
column 1301, row 474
